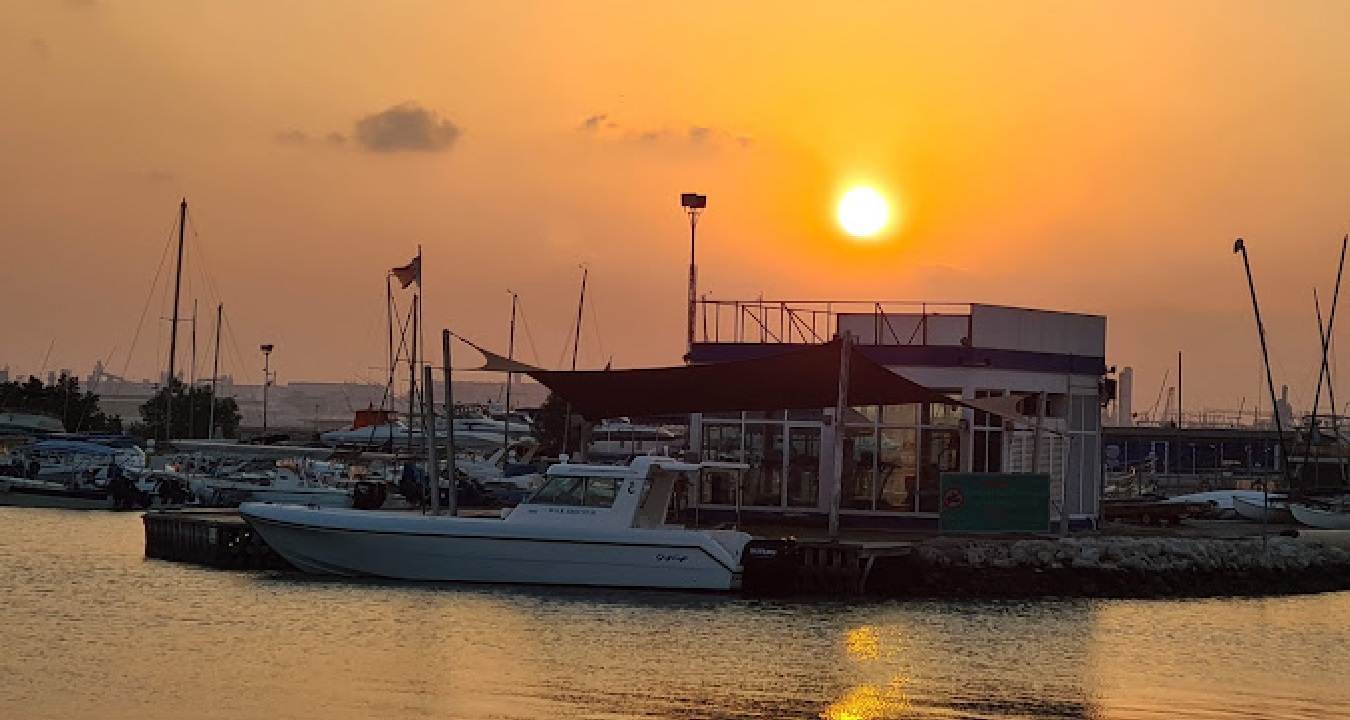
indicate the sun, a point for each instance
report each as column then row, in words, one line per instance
column 863, row 212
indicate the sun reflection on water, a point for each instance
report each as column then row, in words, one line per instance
column 869, row 702
column 863, row 643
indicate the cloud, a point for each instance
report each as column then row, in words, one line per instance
column 405, row 128
column 40, row 48
column 293, row 137
column 336, row 139
column 593, row 123
column 601, row 127
column 158, row 177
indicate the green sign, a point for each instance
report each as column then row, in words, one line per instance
column 994, row 503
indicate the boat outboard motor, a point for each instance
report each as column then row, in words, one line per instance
column 770, row 567
column 412, row 484
column 172, row 491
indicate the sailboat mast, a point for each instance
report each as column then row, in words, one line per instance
column 173, row 328
column 576, row 343
column 215, row 372
column 1322, row 370
column 192, row 371
column 510, row 355
column 389, row 313
column 412, row 376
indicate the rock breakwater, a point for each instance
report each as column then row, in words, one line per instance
column 1122, row 567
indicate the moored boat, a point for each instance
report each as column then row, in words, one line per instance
column 593, row 525
column 1320, row 518
column 1274, row 511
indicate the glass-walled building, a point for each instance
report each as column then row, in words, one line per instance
column 893, row 455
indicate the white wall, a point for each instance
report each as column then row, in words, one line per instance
column 1004, row 328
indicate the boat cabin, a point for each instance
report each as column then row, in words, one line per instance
column 637, row 495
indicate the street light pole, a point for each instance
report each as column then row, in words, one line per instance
column 267, row 380
column 694, row 205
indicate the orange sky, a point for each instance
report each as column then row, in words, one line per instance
column 1093, row 157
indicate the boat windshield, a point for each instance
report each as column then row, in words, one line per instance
column 578, row 491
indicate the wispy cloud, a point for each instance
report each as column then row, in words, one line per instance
column 293, row 137
column 602, row 127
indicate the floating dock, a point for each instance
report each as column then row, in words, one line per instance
column 214, row 538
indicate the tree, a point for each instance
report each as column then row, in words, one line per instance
column 191, row 413
column 77, row 411
column 548, row 427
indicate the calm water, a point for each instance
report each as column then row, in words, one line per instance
column 90, row 629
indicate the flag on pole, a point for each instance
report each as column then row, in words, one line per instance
column 410, row 273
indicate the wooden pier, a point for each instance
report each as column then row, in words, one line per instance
column 843, row 568
column 215, row 538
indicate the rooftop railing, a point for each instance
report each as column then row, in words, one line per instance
column 815, row 321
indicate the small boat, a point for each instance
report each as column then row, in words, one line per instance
column 1220, row 501
column 1320, row 518
column 278, row 485
column 79, row 461
column 123, row 491
column 27, row 492
column 598, row 525
column 1276, row 511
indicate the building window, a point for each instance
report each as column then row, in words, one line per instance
column 764, row 455
column 803, row 463
column 987, row 437
column 859, row 490
column 940, row 452
column 722, row 442
column 897, row 469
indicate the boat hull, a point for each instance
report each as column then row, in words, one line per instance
column 1320, row 519
column 402, row 546
column 37, row 495
column 1277, row 512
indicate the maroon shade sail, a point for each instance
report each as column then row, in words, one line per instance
column 798, row 379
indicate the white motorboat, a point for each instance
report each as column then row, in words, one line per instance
column 279, row 485
column 384, row 435
column 621, row 438
column 1276, row 511
column 79, row 461
column 587, row 525
column 1320, row 518
column 1220, row 500
column 473, row 435
column 27, row 492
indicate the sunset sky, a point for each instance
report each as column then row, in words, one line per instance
column 1091, row 157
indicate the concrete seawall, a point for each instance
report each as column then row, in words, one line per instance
column 1124, row 567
